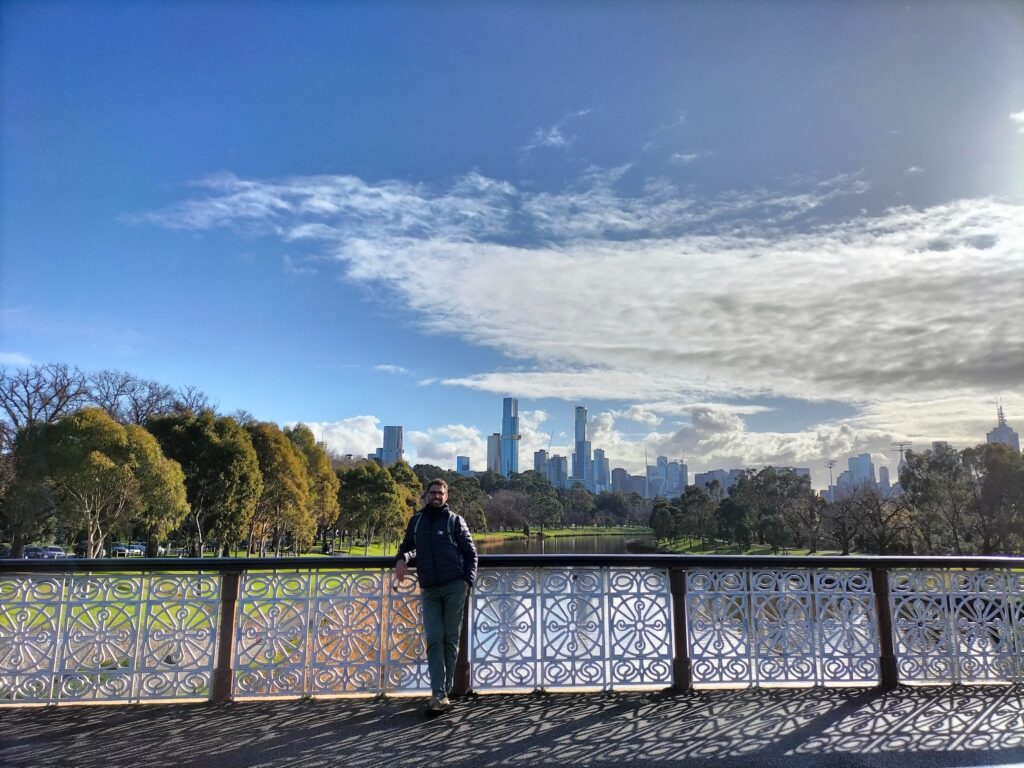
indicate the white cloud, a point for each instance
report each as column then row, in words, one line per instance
column 1018, row 118
column 395, row 369
column 15, row 358
column 357, row 435
column 440, row 446
column 684, row 158
column 554, row 136
column 914, row 169
column 660, row 297
column 291, row 267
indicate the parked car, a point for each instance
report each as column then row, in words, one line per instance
column 5, row 551
column 137, row 549
column 34, row 553
column 119, row 549
column 82, row 547
column 54, row 553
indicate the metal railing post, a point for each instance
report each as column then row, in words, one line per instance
column 224, row 671
column 887, row 658
column 682, row 674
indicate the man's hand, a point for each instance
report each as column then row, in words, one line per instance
column 401, row 571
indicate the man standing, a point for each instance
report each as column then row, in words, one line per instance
column 446, row 565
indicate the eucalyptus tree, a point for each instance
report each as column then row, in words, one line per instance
column 322, row 481
column 996, row 477
column 283, row 506
column 466, row 498
column 370, row 503
column 222, row 474
column 938, row 488
column 100, row 476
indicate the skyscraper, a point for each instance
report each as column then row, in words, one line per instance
column 391, row 452
column 1003, row 433
column 601, row 472
column 510, row 436
column 582, row 469
column 494, row 452
column 462, row 465
column 862, row 470
column 540, row 462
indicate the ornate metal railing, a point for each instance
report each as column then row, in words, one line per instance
column 158, row 630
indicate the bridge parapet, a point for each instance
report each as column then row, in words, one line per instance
column 160, row 630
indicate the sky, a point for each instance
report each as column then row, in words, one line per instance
column 739, row 233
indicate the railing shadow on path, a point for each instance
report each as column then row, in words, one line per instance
column 793, row 728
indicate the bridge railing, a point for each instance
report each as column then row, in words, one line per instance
column 181, row 629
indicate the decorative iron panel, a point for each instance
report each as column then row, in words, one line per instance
column 327, row 632
column 570, row 628
column 93, row 637
column 760, row 627
column 958, row 626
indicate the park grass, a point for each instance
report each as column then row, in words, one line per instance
column 694, row 547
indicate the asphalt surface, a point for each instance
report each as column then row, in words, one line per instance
column 906, row 728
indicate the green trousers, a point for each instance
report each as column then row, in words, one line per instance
column 443, row 606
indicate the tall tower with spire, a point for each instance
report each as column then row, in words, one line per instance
column 1003, row 433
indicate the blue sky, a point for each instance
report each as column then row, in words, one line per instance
column 739, row 233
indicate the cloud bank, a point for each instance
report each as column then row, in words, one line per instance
column 653, row 295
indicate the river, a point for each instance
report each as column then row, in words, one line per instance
column 564, row 545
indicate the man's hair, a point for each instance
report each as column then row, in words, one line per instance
column 437, row 481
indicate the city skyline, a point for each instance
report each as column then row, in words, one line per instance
column 744, row 233
column 555, row 466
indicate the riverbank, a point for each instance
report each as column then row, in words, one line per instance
column 553, row 533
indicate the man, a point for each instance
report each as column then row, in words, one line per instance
column 446, row 565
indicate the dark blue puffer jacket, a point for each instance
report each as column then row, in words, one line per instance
column 440, row 543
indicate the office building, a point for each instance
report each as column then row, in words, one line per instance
column 558, row 471
column 601, row 471
column 621, row 481
column 510, row 436
column 582, row 466
column 861, row 469
column 1003, row 433
column 391, row 452
column 494, row 452
column 540, row 462
column 462, row 465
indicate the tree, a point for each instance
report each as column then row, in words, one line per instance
column 938, row 489
column 996, row 478
column 105, row 476
column 222, row 473
column 283, row 506
column 465, row 498
column 546, row 509
column 577, row 506
column 128, row 399
column 695, row 518
column 662, row 520
column 509, row 509
column 38, row 394
column 611, row 508
column 409, row 488
column 323, row 482
column 841, row 522
column 162, row 488
column 733, row 519
column 885, row 524
column 29, row 504
column 370, row 503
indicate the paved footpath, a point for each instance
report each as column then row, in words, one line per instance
column 907, row 728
